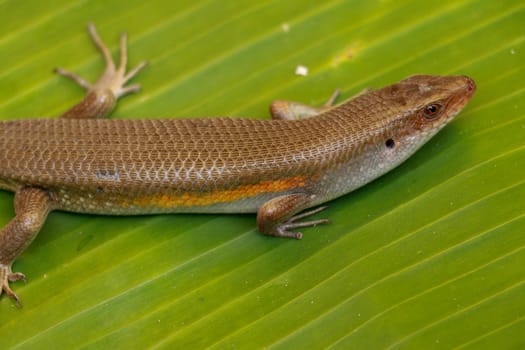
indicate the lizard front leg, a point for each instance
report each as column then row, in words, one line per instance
column 278, row 216
column 102, row 96
column 291, row 110
column 32, row 205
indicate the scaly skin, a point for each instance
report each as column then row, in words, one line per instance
column 276, row 168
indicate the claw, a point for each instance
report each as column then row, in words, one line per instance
column 16, row 276
column 331, row 101
column 292, row 224
column 77, row 79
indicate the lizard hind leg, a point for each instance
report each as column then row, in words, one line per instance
column 32, row 205
column 102, row 96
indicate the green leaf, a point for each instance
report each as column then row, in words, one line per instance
column 430, row 255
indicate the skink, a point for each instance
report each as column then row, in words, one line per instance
column 277, row 168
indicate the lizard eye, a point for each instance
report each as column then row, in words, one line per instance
column 432, row 111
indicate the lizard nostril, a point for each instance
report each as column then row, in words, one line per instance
column 470, row 85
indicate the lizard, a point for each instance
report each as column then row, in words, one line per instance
column 279, row 168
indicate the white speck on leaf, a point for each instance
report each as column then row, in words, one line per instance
column 301, row 70
column 285, row 27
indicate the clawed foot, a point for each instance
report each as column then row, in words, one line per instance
column 113, row 78
column 282, row 229
column 6, row 276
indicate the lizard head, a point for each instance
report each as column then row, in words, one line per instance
column 427, row 103
column 388, row 125
column 404, row 116
column 416, row 108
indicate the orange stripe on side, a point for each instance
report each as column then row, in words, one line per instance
column 195, row 199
